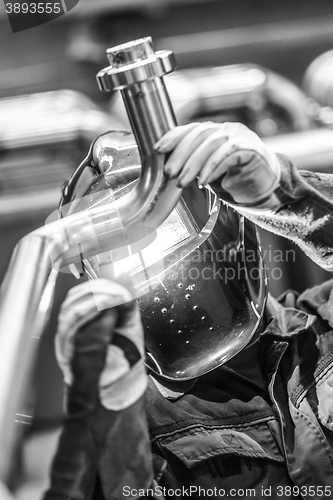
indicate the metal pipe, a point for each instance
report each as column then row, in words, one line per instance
column 211, row 90
column 28, row 285
column 309, row 149
column 204, row 92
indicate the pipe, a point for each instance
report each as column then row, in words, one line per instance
column 309, row 149
column 211, row 91
column 28, row 285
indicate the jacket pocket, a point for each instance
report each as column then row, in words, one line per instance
column 201, row 444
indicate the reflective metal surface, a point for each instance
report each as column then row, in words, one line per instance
column 134, row 63
column 209, row 302
column 199, row 280
column 268, row 103
column 318, row 85
column 318, row 79
column 66, row 241
column 309, row 150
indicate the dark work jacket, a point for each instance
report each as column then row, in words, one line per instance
column 287, row 427
column 292, row 429
column 258, row 442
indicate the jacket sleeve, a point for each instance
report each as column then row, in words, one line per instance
column 303, row 212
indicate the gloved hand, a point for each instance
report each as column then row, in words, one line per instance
column 104, row 442
column 229, row 155
column 110, row 305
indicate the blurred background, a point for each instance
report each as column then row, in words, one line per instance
column 268, row 64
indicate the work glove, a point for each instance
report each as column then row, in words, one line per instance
column 228, row 156
column 117, row 335
column 99, row 347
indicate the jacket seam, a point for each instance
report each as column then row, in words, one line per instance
column 185, row 429
column 240, row 452
column 319, row 376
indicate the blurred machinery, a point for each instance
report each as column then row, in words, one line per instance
column 268, row 103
